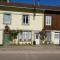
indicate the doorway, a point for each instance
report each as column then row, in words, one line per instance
column 57, row 38
column 7, row 38
column 37, row 38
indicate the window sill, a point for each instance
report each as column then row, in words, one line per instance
column 25, row 24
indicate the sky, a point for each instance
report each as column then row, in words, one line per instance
column 42, row 2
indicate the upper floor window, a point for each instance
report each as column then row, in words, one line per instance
column 25, row 19
column 7, row 19
column 48, row 20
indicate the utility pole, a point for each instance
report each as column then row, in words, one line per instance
column 34, row 10
column 35, row 3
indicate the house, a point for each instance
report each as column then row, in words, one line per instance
column 21, row 23
column 52, row 25
column 18, row 25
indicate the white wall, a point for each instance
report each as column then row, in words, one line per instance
column 16, row 22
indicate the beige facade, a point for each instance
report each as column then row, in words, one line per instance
column 1, row 36
column 16, row 22
column 35, row 24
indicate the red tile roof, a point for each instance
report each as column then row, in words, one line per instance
column 30, row 5
column 16, row 4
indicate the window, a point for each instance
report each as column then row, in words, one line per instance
column 57, row 35
column 48, row 20
column 37, row 36
column 7, row 19
column 25, row 19
column 25, row 36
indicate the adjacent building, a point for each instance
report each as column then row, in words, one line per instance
column 52, row 25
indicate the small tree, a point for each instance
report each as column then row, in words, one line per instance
column 42, row 35
column 14, row 34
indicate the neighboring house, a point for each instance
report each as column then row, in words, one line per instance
column 19, row 25
column 52, row 25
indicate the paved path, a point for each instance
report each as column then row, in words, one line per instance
column 30, row 53
column 30, row 50
column 29, row 56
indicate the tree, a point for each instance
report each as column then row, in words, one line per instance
column 43, row 36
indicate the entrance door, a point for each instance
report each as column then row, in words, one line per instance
column 57, row 38
column 37, row 38
column 7, row 39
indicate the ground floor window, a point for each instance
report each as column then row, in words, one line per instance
column 24, row 36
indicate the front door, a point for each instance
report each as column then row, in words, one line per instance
column 37, row 38
column 57, row 38
column 7, row 39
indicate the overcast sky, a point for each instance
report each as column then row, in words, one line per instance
column 45, row 2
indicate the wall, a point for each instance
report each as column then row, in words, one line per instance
column 55, row 20
column 16, row 22
column 1, row 37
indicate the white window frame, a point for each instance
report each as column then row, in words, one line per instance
column 7, row 20
column 25, row 16
column 48, row 20
column 26, row 35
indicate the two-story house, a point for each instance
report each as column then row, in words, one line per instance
column 52, row 25
column 18, row 23
column 21, row 23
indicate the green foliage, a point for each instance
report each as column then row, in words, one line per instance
column 43, row 35
column 14, row 34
